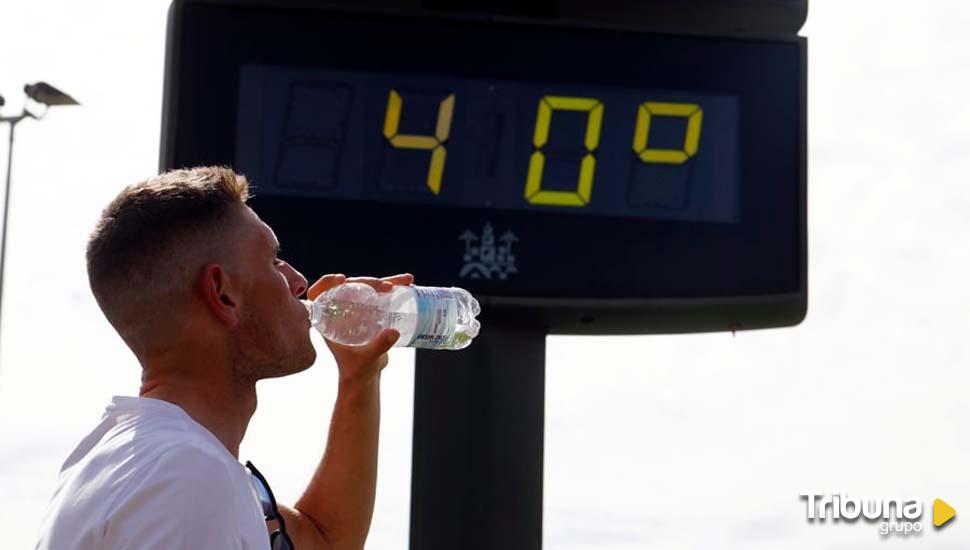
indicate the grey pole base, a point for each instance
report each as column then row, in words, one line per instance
column 476, row 479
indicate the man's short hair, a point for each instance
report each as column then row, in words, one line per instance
column 150, row 243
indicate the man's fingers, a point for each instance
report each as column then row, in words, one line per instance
column 383, row 284
column 381, row 343
column 401, row 279
column 374, row 353
column 386, row 283
column 324, row 284
column 384, row 341
column 377, row 284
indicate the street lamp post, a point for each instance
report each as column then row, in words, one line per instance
column 48, row 96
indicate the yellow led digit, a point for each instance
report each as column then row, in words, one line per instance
column 691, row 111
column 435, row 143
column 534, row 194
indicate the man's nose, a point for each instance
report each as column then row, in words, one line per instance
column 298, row 283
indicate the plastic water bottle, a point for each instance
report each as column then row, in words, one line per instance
column 427, row 317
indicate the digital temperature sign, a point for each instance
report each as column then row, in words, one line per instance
column 590, row 180
column 489, row 144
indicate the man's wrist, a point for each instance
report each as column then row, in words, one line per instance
column 356, row 388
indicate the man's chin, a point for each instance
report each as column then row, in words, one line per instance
column 296, row 365
column 310, row 359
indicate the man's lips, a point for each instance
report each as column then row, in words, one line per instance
column 305, row 311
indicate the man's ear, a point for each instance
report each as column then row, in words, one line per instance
column 219, row 294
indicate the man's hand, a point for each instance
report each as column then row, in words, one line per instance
column 361, row 363
column 335, row 510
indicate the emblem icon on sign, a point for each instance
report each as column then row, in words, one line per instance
column 483, row 259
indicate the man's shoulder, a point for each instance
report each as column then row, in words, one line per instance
column 193, row 489
column 170, row 459
column 139, row 431
column 119, row 490
column 182, row 468
column 135, row 449
column 127, row 455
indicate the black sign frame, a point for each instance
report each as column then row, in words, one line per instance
column 564, row 315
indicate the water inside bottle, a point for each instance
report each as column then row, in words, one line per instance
column 353, row 316
column 434, row 318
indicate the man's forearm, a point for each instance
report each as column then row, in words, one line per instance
column 340, row 497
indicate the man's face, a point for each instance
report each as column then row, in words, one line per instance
column 273, row 335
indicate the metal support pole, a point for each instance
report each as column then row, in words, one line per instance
column 6, row 204
column 476, row 480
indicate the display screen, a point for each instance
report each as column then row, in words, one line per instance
column 532, row 164
column 489, row 143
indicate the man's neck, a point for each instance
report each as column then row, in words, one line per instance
column 222, row 406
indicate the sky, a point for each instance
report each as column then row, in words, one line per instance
column 674, row 442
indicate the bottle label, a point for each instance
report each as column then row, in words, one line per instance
column 437, row 317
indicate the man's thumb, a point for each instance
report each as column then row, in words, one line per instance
column 386, row 340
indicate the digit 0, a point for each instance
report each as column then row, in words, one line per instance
column 435, row 143
column 534, row 194
column 641, row 135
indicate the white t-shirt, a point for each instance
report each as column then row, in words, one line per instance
column 151, row 477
